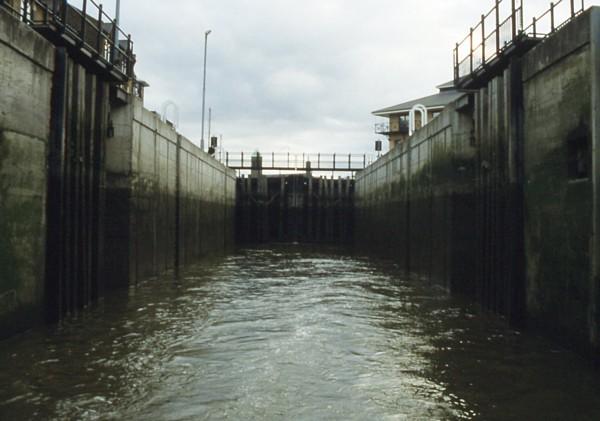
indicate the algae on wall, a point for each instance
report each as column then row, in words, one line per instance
column 26, row 66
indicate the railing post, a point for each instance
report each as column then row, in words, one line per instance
column 534, row 27
column 521, row 24
column 83, row 20
column 318, row 160
column 129, row 59
column 272, row 159
column 334, row 161
column 482, row 39
column 226, row 159
column 63, row 17
column 456, row 63
column 551, row 17
column 364, row 161
column 288, row 165
column 514, row 19
column 471, row 49
column 24, row 17
column 497, row 26
column 113, row 50
column 242, row 160
column 46, row 13
column 572, row 8
column 349, row 161
column 99, row 39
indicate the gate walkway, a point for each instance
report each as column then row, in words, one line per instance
column 305, row 162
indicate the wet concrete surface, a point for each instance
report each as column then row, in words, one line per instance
column 291, row 333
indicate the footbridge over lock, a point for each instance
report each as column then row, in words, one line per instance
column 292, row 197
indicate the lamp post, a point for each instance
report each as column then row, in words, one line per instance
column 206, row 34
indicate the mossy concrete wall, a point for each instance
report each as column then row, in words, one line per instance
column 417, row 202
column 513, row 218
column 168, row 202
column 26, row 67
column 559, row 113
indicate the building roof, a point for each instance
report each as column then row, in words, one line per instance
column 446, row 95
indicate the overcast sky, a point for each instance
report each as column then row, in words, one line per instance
column 298, row 76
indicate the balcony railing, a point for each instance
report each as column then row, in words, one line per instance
column 387, row 128
column 90, row 31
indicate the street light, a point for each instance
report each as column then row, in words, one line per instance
column 206, row 34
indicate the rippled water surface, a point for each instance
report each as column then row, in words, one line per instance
column 290, row 333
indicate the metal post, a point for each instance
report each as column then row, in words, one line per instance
column 572, row 8
column 129, row 57
column 334, row 161
column 521, row 25
column 364, row 161
column 45, row 7
column 482, row 39
column 319, row 160
column 349, row 161
column 64, row 14
column 551, row 17
column 514, row 20
column 227, row 159
column 209, row 126
column 534, row 27
column 113, row 50
column 272, row 159
column 242, row 160
column 456, row 63
column 497, row 26
column 99, row 39
column 83, row 20
column 206, row 34
column 117, row 20
column 471, row 49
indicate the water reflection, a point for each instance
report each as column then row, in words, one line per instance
column 288, row 333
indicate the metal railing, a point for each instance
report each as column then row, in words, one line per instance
column 483, row 45
column 382, row 128
column 387, row 128
column 558, row 15
column 298, row 162
column 90, row 29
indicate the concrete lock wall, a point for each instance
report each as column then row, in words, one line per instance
column 506, row 208
column 26, row 70
column 416, row 202
column 168, row 203
column 561, row 100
